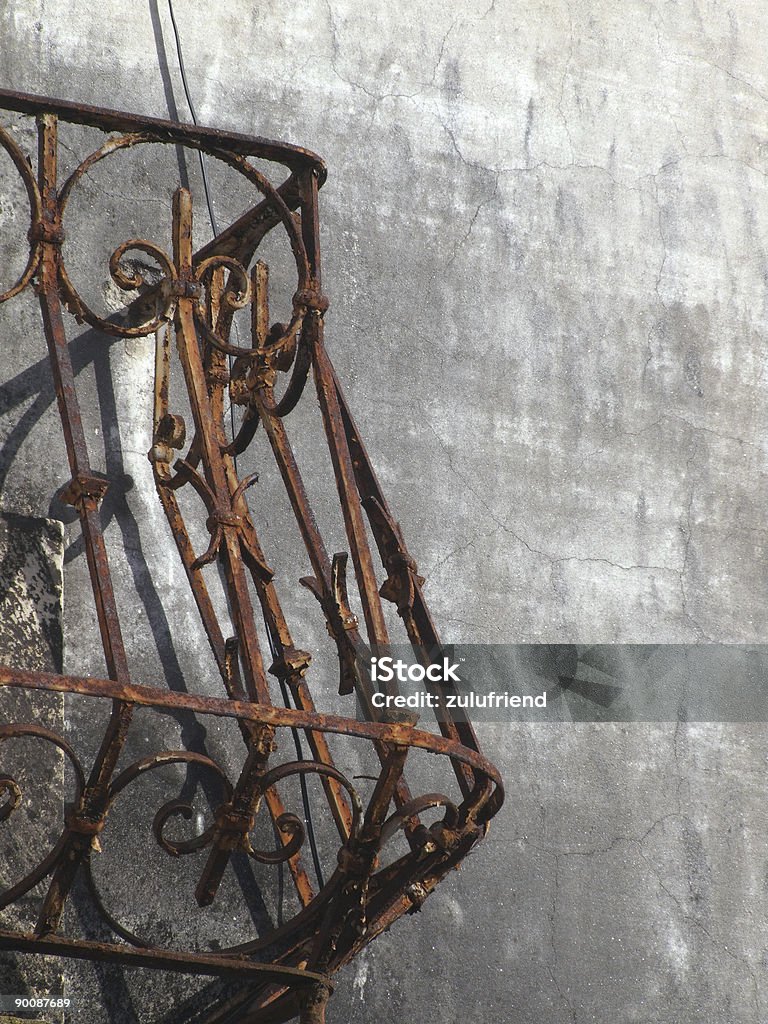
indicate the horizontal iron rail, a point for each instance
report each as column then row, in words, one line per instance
column 294, row 157
column 159, row 959
column 146, row 696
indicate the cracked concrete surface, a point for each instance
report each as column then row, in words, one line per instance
column 544, row 235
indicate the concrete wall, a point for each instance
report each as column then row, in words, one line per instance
column 544, row 238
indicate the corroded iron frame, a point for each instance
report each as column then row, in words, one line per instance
column 197, row 299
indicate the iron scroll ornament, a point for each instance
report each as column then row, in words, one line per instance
column 196, row 296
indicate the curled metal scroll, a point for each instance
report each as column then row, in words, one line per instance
column 77, row 305
column 290, row 822
column 287, row 824
column 10, row 786
column 415, row 807
column 170, row 809
column 173, row 808
column 17, row 732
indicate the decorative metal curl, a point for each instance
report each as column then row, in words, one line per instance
column 80, row 309
column 290, row 823
column 7, row 784
column 235, row 300
column 130, row 282
column 290, row 768
column 300, row 306
column 286, row 341
column 416, row 807
column 15, row 732
column 35, row 209
column 177, row 848
column 174, row 808
column 287, row 824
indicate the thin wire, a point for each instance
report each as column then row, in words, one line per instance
column 192, row 111
column 305, row 798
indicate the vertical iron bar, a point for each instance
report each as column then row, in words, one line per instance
column 85, row 493
column 334, row 429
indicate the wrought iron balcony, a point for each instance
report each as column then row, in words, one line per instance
column 197, row 296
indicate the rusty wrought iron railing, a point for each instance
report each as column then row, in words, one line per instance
column 196, row 296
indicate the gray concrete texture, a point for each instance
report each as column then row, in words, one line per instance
column 544, row 235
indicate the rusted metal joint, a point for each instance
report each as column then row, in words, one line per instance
column 291, row 665
column 340, row 620
column 239, row 392
column 223, row 517
column 218, row 375
column 84, row 489
column 355, row 895
column 262, row 375
column 252, row 373
column 171, row 433
column 84, row 830
column 47, row 231
column 341, row 617
column 232, row 827
column 357, row 863
column 160, row 453
column 171, row 430
column 399, row 561
column 424, row 839
column 312, row 1001
column 11, row 788
column 402, row 581
column 263, row 742
column 311, row 300
column 437, row 837
column 403, row 577
column 417, row 894
column 77, row 824
column 181, row 287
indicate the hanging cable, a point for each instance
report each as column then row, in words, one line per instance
column 191, row 106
